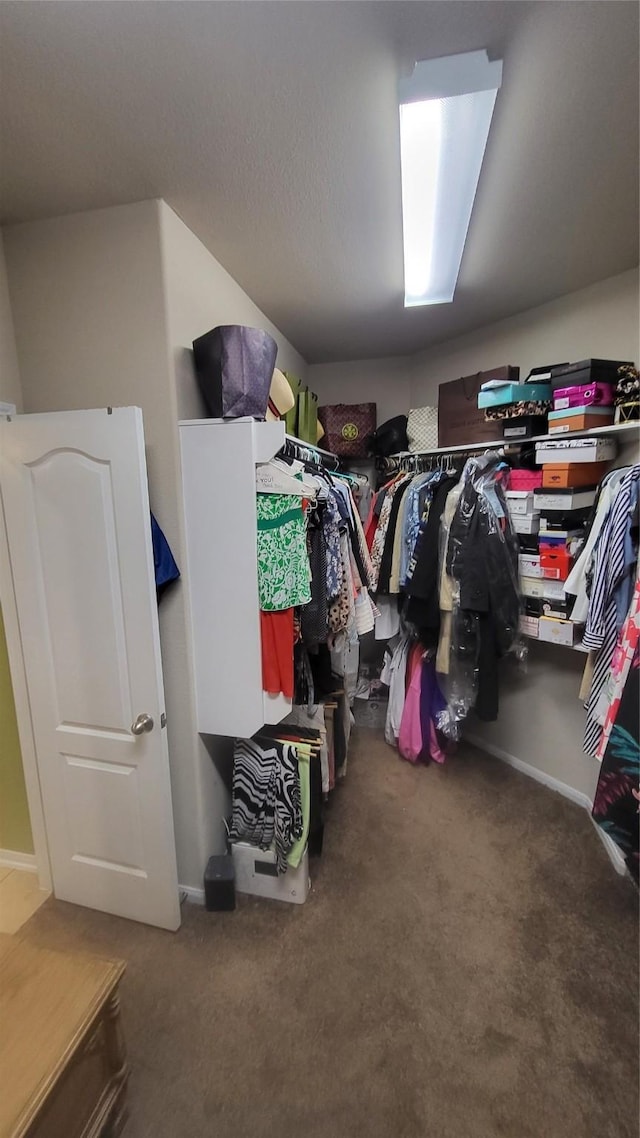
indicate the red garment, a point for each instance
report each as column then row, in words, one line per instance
column 371, row 524
column 276, row 631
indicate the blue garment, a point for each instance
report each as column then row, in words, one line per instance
column 419, row 497
column 165, row 567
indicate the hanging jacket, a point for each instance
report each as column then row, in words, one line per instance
column 482, row 557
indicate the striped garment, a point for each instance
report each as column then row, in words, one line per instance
column 601, row 631
column 267, row 809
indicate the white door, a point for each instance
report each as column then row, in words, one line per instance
column 76, row 504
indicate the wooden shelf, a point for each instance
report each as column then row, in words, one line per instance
column 616, row 430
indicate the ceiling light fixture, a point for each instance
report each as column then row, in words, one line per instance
column 445, row 115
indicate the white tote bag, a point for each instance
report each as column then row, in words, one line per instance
column 422, row 429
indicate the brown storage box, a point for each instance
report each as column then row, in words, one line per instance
column 573, row 474
column 581, row 422
column 460, row 420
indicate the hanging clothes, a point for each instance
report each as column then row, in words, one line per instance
column 482, row 560
column 617, row 798
column 266, row 808
column 283, row 564
column 614, row 558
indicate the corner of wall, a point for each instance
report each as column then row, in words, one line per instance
column 10, row 386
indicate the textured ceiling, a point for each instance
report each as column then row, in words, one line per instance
column 272, row 129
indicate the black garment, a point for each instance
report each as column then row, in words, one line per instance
column 384, row 576
column 483, row 558
column 313, row 616
column 423, row 590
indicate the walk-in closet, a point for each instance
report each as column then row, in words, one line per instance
column 319, row 578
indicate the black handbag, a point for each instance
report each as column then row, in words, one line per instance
column 390, row 437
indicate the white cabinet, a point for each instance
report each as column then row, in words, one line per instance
column 218, row 474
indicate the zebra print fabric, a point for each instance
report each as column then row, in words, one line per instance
column 267, row 809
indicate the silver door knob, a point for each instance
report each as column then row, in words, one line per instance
column 143, row 723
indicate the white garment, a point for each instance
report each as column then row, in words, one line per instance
column 393, row 674
column 576, row 582
column 388, row 620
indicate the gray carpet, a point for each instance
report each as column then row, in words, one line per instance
column 465, row 967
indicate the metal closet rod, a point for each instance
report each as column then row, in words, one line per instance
column 299, row 444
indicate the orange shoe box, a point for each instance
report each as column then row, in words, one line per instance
column 573, row 474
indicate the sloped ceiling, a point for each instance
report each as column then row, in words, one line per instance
column 272, row 129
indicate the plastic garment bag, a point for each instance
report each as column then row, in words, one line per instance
column 481, row 558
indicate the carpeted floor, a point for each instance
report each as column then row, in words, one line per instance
column 465, row 967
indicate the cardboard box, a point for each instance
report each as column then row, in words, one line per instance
column 586, row 371
column 532, row 586
column 256, row 873
column 558, row 610
column 529, row 565
column 553, row 590
column 525, row 523
column 556, row 565
column 564, row 500
column 579, row 419
column 525, row 479
column 576, row 450
column 529, row 626
column 584, row 395
column 520, row 501
column 572, row 475
column 557, row 631
column 524, row 427
column 515, row 393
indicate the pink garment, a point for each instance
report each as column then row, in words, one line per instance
column 410, row 737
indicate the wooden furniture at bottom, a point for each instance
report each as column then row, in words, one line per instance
column 63, row 1071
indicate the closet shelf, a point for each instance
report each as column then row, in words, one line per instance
column 570, row 647
column 616, row 430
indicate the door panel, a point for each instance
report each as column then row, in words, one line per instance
column 77, row 513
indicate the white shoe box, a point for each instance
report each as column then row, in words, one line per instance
column 256, row 873
column 525, row 523
column 576, row 450
column 532, row 586
column 529, row 564
column 520, row 501
column 558, row 631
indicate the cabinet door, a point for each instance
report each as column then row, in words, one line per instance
column 76, row 505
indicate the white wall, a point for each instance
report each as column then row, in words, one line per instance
column 541, row 720
column 600, row 321
column 386, row 382
column 106, row 305
column 199, row 295
column 10, row 389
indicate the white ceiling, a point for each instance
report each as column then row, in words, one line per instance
column 272, row 129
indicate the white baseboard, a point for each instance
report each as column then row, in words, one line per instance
column 195, row 896
column 578, row 796
column 13, row 859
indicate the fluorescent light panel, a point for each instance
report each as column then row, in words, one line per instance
column 445, row 115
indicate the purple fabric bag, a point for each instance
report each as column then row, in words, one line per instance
column 234, row 368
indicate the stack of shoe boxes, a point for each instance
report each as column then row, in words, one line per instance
column 571, row 472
